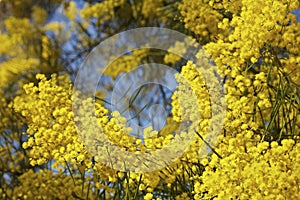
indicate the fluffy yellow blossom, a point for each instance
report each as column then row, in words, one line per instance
column 252, row 171
column 71, row 11
column 45, row 184
column 103, row 11
column 200, row 18
column 126, row 63
column 51, row 127
column 150, row 8
column 39, row 15
column 148, row 196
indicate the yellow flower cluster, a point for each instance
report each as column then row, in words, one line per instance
column 180, row 47
column 26, row 48
column 201, row 18
column 157, row 140
column 51, row 130
column 3, row 106
column 71, row 11
column 251, row 30
column 192, row 103
column 47, row 184
column 39, row 15
column 23, row 9
column 150, row 8
column 18, row 29
column 52, row 135
column 102, row 11
column 192, row 82
column 126, row 63
column 250, row 48
column 247, row 170
column 14, row 66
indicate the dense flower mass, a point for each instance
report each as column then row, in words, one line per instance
column 253, row 171
column 243, row 120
